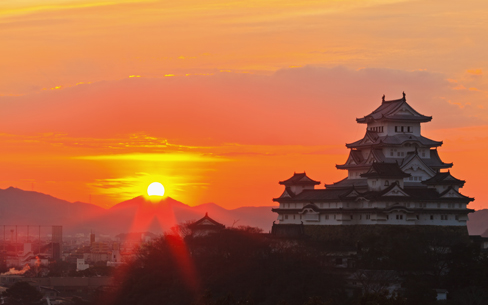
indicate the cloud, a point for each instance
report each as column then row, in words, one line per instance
column 475, row 72
column 148, row 157
column 301, row 106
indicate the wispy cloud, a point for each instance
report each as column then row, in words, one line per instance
column 161, row 157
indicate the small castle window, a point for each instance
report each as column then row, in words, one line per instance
column 326, row 216
column 431, row 217
column 351, row 217
column 286, row 216
column 396, row 128
column 402, row 128
column 408, row 129
column 368, row 216
column 387, row 183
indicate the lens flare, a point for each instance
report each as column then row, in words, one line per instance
column 155, row 189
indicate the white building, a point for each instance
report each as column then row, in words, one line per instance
column 395, row 177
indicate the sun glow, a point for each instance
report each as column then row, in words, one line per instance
column 155, row 189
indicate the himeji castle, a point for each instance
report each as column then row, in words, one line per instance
column 395, row 176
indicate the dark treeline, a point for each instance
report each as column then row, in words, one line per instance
column 240, row 266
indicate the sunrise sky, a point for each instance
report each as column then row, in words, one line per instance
column 219, row 100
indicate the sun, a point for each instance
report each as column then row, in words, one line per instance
column 155, row 189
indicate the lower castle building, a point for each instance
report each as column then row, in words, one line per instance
column 395, row 177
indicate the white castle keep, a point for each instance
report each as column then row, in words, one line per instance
column 395, row 177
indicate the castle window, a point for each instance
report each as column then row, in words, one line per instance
column 402, row 128
column 396, row 128
column 326, row 216
column 368, row 216
column 418, row 217
column 351, row 217
column 408, row 129
column 431, row 217
column 387, row 183
column 286, row 216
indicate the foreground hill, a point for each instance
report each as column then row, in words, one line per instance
column 19, row 207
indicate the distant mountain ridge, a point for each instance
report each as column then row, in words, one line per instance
column 20, row 207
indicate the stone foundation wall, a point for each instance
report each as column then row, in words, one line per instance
column 371, row 234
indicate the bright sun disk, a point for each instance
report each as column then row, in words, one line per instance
column 155, row 189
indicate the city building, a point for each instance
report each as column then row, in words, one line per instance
column 395, row 176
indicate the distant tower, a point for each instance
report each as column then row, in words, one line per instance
column 92, row 238
column 57, row 241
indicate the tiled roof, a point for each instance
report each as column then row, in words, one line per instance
column 206, row 218
column 347, row 183
column 397, row 139
column 388, row 111
column 299, row 179
column 386, row 170
column 444, row 179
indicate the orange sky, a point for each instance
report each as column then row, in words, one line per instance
column 219, row 100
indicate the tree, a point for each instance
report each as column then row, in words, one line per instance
column 22, row 293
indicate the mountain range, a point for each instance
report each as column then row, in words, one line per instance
column 19, row 207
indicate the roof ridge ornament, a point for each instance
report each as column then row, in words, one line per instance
column 383, row 98
column 404, row 96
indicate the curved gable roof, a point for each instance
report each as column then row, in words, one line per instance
column 395, row 110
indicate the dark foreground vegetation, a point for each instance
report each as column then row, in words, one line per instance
column 241, row 266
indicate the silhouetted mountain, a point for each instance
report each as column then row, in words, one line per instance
column 478, row 223
column 19, row 207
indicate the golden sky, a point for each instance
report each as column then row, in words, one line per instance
column 219, row 100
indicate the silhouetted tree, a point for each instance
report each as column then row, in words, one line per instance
column 22, row 293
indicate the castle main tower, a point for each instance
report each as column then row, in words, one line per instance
column 394, row 176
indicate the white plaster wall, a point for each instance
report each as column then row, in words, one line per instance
column 389, row 219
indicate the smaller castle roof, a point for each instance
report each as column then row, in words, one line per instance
column 372, row 139
column 385, row 170
column 444, row 179
column 206, row 221
column 299, row 179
